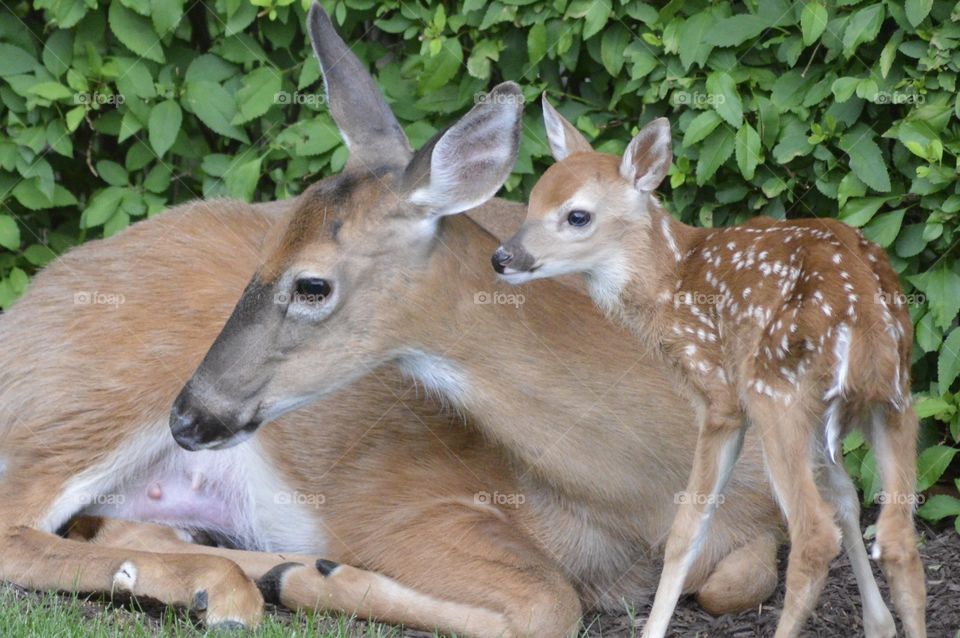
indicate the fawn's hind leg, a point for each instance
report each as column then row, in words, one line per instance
column 839, row 489
column 787, row 435
column 894, row 438
column 718, row 446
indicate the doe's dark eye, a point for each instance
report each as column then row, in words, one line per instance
column 312, row 289
column 578, row 218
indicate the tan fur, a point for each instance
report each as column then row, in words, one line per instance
column 798, row 325
column 79, row 380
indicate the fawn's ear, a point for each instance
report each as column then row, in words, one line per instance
column 468, row 163
column 564, row 138
column 647, row 159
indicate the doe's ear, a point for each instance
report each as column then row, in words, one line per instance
column 468, row 163
column 563, row 136
column 647, row 159
column 367, row 125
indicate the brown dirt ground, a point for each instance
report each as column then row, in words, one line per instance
column 838, row 613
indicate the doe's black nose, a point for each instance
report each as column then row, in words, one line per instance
column 500, row 258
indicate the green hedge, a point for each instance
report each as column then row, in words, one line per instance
column 112, row 112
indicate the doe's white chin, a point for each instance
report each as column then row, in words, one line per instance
column 517, row 277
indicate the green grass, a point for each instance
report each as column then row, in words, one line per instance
column 51, row 615
column 76, row 616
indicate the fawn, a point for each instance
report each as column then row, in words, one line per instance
column 798, row 327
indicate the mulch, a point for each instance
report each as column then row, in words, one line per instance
column 838, row 613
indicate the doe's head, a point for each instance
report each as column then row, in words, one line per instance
column 337, row 284
column 584, row 204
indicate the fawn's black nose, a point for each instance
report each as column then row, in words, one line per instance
column 500, row 258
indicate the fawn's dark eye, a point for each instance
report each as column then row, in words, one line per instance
column 578, row 218
column 312, row 290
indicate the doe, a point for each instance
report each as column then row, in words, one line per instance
column 798, row 327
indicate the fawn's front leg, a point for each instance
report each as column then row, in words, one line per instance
column 718, row 446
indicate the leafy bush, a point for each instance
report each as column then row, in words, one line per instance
column 848, row 108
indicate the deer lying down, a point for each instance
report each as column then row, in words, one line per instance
column 797, row 327
column 368, row 501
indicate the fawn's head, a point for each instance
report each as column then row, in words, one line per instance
column 583, row 205
column 333, row 285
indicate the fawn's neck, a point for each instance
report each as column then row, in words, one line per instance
column 656, row 253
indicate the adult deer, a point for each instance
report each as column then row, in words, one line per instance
column 797, row 327
column 86, row 391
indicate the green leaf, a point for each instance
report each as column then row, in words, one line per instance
column 442, row 67
column 735, row 30
column 726, row 100
column 930, row 406
column 813, row 21
column 883, row 229
column 693, row 46
column 39, row 255
column 31, row 195
column 942, row 288
column 910, row 242
column 164, row 125
column 9, row 233
column 58, row 52
column 713, row 153
column 101, row 207
column 747, row 150
column 917, row 10
column 858, row 212
column 844, row 88
column 948, row 364
column 112, row 173
column 938, row 507
column 258, row 94
column 932, row 463
column 135, row 32
column 612, row 45
column 166, row 15
column 596, row 17
column 700, row 127
column 536, row 42
column 863, row 26
column 869, row 477
column 215, row 108
column 866, row 160
column 15, row 60
column 241, row 180
column 928, row 336
column 51, row 91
